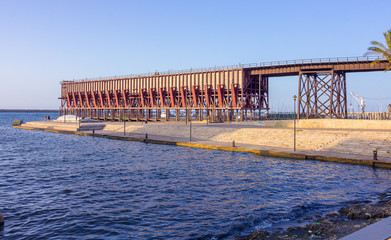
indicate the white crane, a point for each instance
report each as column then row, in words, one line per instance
column 360, row 100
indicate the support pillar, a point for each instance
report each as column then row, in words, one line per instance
column 322, row 94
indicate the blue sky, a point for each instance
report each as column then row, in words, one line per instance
column 45, row 42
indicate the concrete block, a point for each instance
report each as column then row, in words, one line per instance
column 17, row 122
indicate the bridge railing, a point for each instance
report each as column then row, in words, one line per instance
column 247, row 65
column 320, row 60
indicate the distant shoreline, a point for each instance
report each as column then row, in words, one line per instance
column 27, row 110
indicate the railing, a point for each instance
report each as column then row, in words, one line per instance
column 247, row 65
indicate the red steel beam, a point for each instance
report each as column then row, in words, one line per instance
column 87, row 99
column 125, row 98
column 234, row 92
column 220, row 92
column 172, row 96
column 101, row 99
column 68, row 100
column 74, row 100
column 81, row 99
column 142, row 96
column 162, row 95
column 94, row 98
column 108, row 98
column 207, row 95
column 152, row 97
column 183, row 97
column 116, row 98
column 195, row 91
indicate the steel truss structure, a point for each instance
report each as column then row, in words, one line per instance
column 322, row 94
column 236, row 93
column 223, row 95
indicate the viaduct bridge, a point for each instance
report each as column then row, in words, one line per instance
column 232, row 93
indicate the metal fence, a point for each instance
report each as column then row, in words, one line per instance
column 247, row 65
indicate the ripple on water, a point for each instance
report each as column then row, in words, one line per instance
column 73, row 187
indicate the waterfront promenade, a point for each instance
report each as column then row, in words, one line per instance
column 345, row 141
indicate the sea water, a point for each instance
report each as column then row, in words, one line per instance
column 60, row 186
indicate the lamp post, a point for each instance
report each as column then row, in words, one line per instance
column 259, row 97
column 190, row 127
column 231, row 116
column 124, row 125
column 207, row 114
column 294, row 122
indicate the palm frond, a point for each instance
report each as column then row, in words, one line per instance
column 374, row 62
column 387, row 36
column 376, row 51
column 378, row 48
column 377, row 44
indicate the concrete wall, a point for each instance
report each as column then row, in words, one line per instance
column 330, row 124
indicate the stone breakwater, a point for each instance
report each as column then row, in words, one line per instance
column 333, row 225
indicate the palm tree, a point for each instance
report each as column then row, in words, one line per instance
column 379, row 49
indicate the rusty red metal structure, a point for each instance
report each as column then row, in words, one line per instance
column 232, row 93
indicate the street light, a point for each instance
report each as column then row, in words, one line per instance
column 231, row 117
column 124, row 125
column 294, row 122
column 207, row 114
column 190, row 127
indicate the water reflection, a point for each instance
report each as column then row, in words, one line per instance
column 67, row 186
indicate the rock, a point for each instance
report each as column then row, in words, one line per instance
column 1, row 220
column 259, row 234
column 357, row 211
column 382, row 196
column 334, row 214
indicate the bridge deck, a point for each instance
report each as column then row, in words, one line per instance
column 295, row 68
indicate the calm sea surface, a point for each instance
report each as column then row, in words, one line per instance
column 58, row 186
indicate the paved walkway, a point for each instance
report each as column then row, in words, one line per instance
column 378, row 231
column 344, row 145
